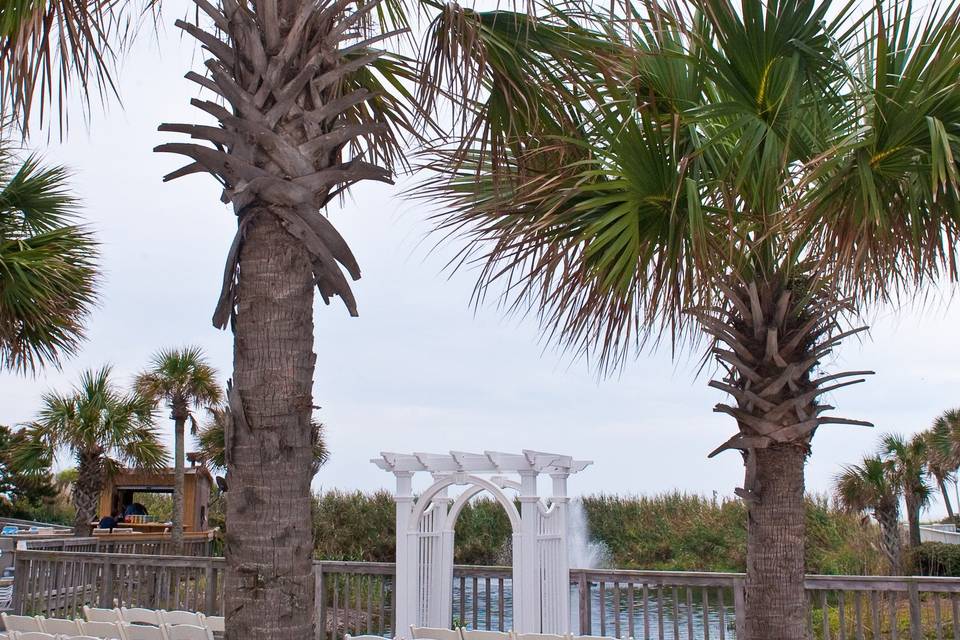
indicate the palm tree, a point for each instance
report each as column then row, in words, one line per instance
column 751, row 173
column 183, row 380
column 942, row 453
column 212, row 438
column 47, row 266
column 307, row 107
column 102, row 428
column 909, row 459
column 874, row 487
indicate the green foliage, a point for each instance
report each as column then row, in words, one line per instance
column 936, row 559
column 354, row 526
column 22, row 495
column 48, row 267
column 672, row 531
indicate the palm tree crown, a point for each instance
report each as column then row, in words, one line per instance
column 103, row 428
column 182, row 378
column 874, row 487
column 47, row 266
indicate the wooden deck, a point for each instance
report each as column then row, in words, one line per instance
column 357, row 598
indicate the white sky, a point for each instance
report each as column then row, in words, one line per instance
column 419, row 370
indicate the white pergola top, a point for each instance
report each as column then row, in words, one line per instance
column 486, row 462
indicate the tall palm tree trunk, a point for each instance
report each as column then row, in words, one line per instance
column 913, row 517
column 770, row 338
column 86, row 492
column 775, row 547
column 946, row 498
column 269, row 581
column 180, row 414
column 890, row 531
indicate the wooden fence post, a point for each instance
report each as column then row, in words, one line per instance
column 583, row 597
column 916, row 626
column 319, row 603
column 739, row 607
column 106, row 587
column 210, row 592
column 22, row 569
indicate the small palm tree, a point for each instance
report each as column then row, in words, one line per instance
column 909, row 459
column 943, row 453
column 183, row 380
column 212, row 442
column 102, row 428
column 47, row 265
column 873, row 487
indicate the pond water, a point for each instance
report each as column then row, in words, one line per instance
column 667, row 617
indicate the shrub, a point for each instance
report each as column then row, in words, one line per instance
column 936, row 559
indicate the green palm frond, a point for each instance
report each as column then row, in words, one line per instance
column 48, row 266
column 180, row 376
column 96, row 419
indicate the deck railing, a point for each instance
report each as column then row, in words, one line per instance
column 357, row 598
column 198, row 544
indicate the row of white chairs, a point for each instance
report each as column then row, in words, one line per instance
column 155, row 617
column 431, row 633
column 127, row 632
column 112, row 624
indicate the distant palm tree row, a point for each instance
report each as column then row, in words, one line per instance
column 901, row 469
column 104, row 427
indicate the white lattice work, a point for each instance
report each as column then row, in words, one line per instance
column 425, row 533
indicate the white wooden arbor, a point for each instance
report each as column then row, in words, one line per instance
column 423, row 593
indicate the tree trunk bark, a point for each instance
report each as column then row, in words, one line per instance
column 179, row 423
column 269, row 581
column 86, row 492
column 775, row 596
column 913, row 518
column 890, row 529
column 946, row 498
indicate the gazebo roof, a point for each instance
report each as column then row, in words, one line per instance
column 486, row 462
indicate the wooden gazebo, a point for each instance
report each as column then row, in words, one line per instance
column 120, row 489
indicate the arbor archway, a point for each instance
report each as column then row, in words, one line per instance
column 425, row 534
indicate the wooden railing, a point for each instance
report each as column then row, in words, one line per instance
column 194, row 544
column 358, row 598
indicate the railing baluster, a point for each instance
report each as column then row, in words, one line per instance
column 705, row 605
column 723, row 614
column 660, row 611
column 475, row 597
column 676, row 614
column 826, row 615
column 500, row 604
column 486, row 588
column 603, row 608
column 937, row 617
column 335, row 620
column 858, row 614
column 894, row 617
column 616, row 609
column 630, row 609
column 876, row 614
column 841, row 613
column 689, row 614
column 955, row 604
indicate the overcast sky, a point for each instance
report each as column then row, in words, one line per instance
column 420, row 370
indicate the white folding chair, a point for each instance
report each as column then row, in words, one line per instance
column 187, row 632
column 182, row 617
column 6, row 596
column 539, row 636
column 142, row 632
column 79, row 638
column 95, row 614
column 139, row 615
column 107, row 630
column 33, row 635
column 26, row 624
column 214, row 623
column 60, row 626
column 485, row 635
column 434, row 633
column 366, row 637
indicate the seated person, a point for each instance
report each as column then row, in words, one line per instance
column 135, row 509
column 109, row 522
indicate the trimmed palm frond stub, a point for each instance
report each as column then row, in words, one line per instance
column 309, row 115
